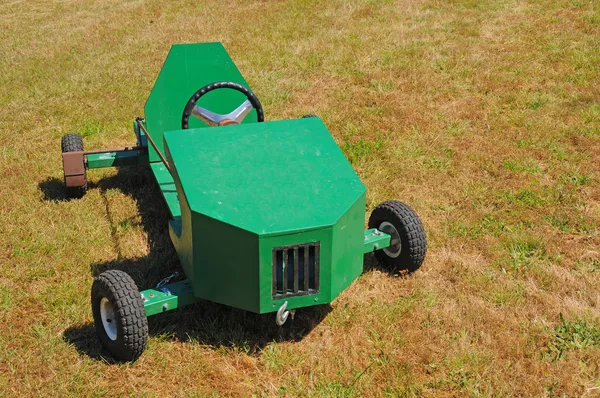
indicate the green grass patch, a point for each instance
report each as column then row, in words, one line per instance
column 523, row 255
column 524, row 197
column 507, row 296
column 577, row 178
column 588, row 266
column 518, row 166
column 363, row 149
column 90, row 128
column 577, row 334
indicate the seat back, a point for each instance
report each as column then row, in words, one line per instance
column 189, row 67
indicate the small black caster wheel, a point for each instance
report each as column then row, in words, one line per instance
column 408, row 243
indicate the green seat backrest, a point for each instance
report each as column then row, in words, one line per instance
column 189, row 67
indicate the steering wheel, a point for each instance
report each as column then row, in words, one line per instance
column 215, row 119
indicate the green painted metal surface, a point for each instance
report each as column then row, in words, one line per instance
column 165, row 181
column 167, row 188
column 188, row 68
column 267, row 178
column 245, row 190
column 168, row 297
column 221, row 261
column 347, row 251
column 375, row 240
column 116, row 159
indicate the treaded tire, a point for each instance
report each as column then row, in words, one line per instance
column 413, row 241
column 130, row 322
column 310, row 115
column 74, row 143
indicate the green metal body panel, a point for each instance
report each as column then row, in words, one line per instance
column 188, row 68
column 178, row 294
column 116, row 159
column 247, row 189
column 268, row 178
column 347, row 244
column 341, row 258
column 166, row 184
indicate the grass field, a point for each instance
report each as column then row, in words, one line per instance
column 483, row 115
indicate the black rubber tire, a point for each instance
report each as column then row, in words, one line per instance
column 310, row 115
column 130, row 316
column 411, row 232
column 74, row 143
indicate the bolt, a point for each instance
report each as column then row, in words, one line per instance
column 366, row 238
column 165, row 307
column 376, row 246
column 316, row 299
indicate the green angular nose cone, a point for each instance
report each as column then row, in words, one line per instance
column 274, row 212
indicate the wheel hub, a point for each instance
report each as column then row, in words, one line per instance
column 395, row 247
column 107, row 313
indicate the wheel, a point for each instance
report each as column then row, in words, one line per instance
column 409, row 243
column 119, row 315
column 214, row 119
column 74, row 143
column 310, row 115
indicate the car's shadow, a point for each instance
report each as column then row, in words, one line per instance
column 204, row 323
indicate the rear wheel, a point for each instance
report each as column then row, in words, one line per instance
column 74, row 143
column 408, row 241
column 119, row 315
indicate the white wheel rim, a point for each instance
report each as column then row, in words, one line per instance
column 109, row 321
column 395, row 247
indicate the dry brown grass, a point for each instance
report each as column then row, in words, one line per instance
column 483, row 115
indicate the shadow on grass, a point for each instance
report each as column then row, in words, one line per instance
column 216, row 326
column 84, row 339
column 53, row 190
column 205, row 323
column 372, row 264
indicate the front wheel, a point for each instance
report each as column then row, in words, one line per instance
column 119, row 315
column 408, row 241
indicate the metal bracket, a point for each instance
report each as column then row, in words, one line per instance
column 168, row 297
column 375, row 240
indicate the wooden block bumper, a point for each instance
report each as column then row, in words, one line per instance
column 74, row 168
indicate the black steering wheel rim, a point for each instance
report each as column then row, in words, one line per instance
column 187, row 111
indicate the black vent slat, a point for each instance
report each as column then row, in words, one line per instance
column 317, row 255
column 285, row 274
column 296, row 276
column 275, row 287
column 296, row 270
column 306, row 267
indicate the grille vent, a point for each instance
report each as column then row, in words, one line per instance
column 296, row 270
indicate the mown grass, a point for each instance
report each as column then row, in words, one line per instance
column 482, row 115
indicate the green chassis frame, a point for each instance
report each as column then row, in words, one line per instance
column 177, row 294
